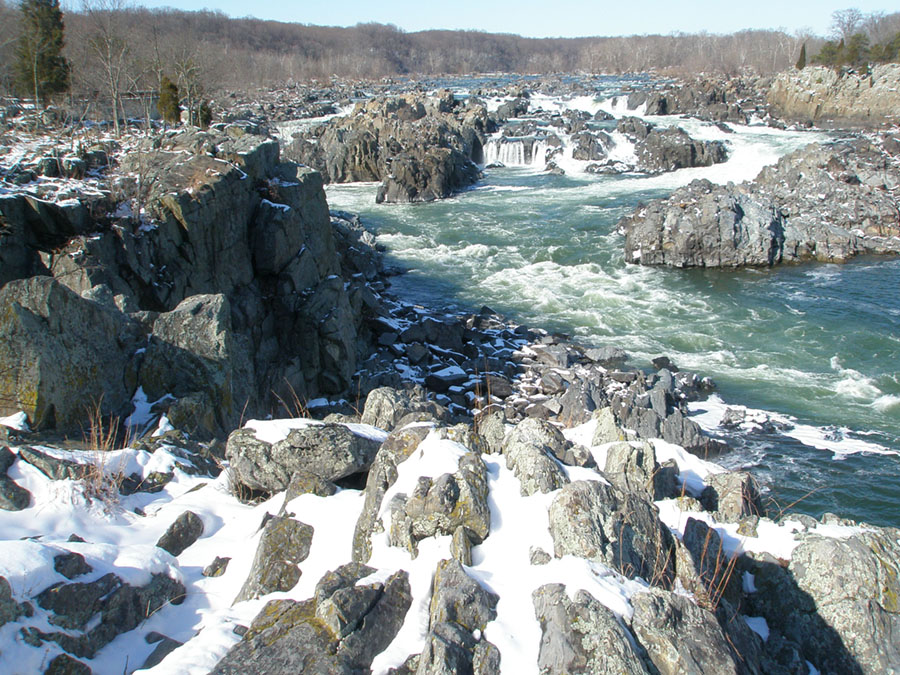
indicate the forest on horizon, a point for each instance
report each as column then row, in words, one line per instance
column 222, row 53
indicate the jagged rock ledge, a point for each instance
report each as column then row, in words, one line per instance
column 826, row 202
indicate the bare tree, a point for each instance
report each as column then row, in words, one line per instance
column 846, row 22
column 109, row 45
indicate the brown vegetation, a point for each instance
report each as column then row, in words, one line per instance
column 207, row 50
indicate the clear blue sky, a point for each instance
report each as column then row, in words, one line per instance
column 549, row 18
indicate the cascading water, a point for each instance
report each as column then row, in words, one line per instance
column 507, row 151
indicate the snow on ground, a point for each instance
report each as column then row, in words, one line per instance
column 121, row 536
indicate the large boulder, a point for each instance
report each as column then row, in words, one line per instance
column 681, row 637
column 399, row 445
column 838, row 600
column 460, row 609
column 61, row 355
column 339, row 630
column 192, row 352
column 420, row 149
column 386, row 406
column 668, row 149
column 581, row 635
column 284, row 544
column 331, row 451
column 433, row 173
column 442, row 505
column 599, row 522
column 531, row 449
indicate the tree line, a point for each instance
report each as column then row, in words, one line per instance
column 111, row 49
column 859, row 39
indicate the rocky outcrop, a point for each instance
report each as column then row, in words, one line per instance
column 450, row 502
column 284, row 544
column 668, row 149
column 215, row 284
column 582, row 635
column 95, row 613
column 530, row 451
column 460, row 609
column 420, row 148
column 599, row 522
column 869, row 97
column 718, row 100
column 330, row 451
column 681, row 637
column 837, row 600
column 60, row 353
column 826, row 203
column 339, row 630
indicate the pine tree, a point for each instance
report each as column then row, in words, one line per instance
column 204, row 115
column 168, row 101
column 41, row 69
column 801, row 62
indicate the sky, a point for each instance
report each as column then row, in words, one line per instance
column 549, row 18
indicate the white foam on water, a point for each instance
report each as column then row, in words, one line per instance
column 840, row 441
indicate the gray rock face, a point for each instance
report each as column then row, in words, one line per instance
column 192, row 352
column 668, row 149
column 120, row 607
column 458, row 598
column 600, row 522
column 530, row 451
column 443, row 504
column 386, row 406
column 420, row 151
column 399, row 445
column 680, row 637
column 820, row 203
column 607, row 430
column 274, row 315
column 581, row 636
column 821, row 93
column 338, row 631
column 734, row 496
column 13, row 497
column 283, row 546
column 703, row 567
column 635, row 469
column 186, row 529
column 841, row 605
column 59, row 352
column 459, row 607
column 331, row 451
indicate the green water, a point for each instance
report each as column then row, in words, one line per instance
column 818, row 343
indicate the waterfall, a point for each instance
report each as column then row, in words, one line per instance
column 515, row 151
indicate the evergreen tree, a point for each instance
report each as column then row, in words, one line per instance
column 204, row 115
column 168, row 101
column 801, row 62
column 41, row 69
